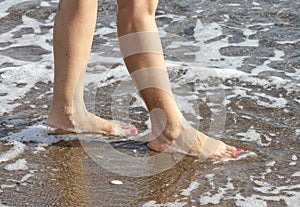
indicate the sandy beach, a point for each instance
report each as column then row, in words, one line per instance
column 235, row 72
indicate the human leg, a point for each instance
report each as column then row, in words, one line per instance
column 73, row 34
column 170, row 132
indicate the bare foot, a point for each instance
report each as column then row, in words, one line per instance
column 87, row 122
column 187, row 140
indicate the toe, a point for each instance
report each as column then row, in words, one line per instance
column 235, row 152
column 121, row 128
column 231, row 151
column 225, row 151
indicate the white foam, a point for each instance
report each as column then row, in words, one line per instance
column 252, row 136
column 188, row 104
column 273, row 102
column 271, row 163
column 240, row 157
column 105, row 78
column 29, row 74
column 45, row 4
column 26, row 177
column 230, row 73
column 17, row 182
column 173, row 204
column 4, row 5
column 34, row 24
column 249, row 201
column 232, row 4
column 18, row 165
column 37, row 133
column 204, row 32
column 209, row 198
column 288, row 42
column 276, row 190
column 296, row 174
column 7, row 186
column 39, row 148
column 269, row 192
column 105, row 31
column 279, row 54
column 193, row 185
column 297, row 131
column 17, row 149
column 255, row 3
column 28, row 39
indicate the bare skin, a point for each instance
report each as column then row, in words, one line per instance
column 73, row 34
column 139, row 16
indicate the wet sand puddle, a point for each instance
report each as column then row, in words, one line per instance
column 236, row 75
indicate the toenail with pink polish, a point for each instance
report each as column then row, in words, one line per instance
column 239, row 150
column 133, row 131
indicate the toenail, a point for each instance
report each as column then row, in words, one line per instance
column 133, row 131
column 239, row 150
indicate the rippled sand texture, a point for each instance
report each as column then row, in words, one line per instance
column 235, row 70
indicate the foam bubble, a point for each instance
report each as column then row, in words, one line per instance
column 271, row 163
column 17, row 149
column 26, row 177
column 18, row 165
column 193, row 185
column 252, row 136
column 255, row 3
column 174, row 204
column 297, row 131
column 232, row 4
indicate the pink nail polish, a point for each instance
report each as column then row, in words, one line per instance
column 239, row 150
column 133, row 131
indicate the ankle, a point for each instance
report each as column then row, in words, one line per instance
column 61, row 115
column 169, row 134
column 172, row 130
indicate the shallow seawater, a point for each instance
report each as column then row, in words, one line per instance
column 235, row 71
